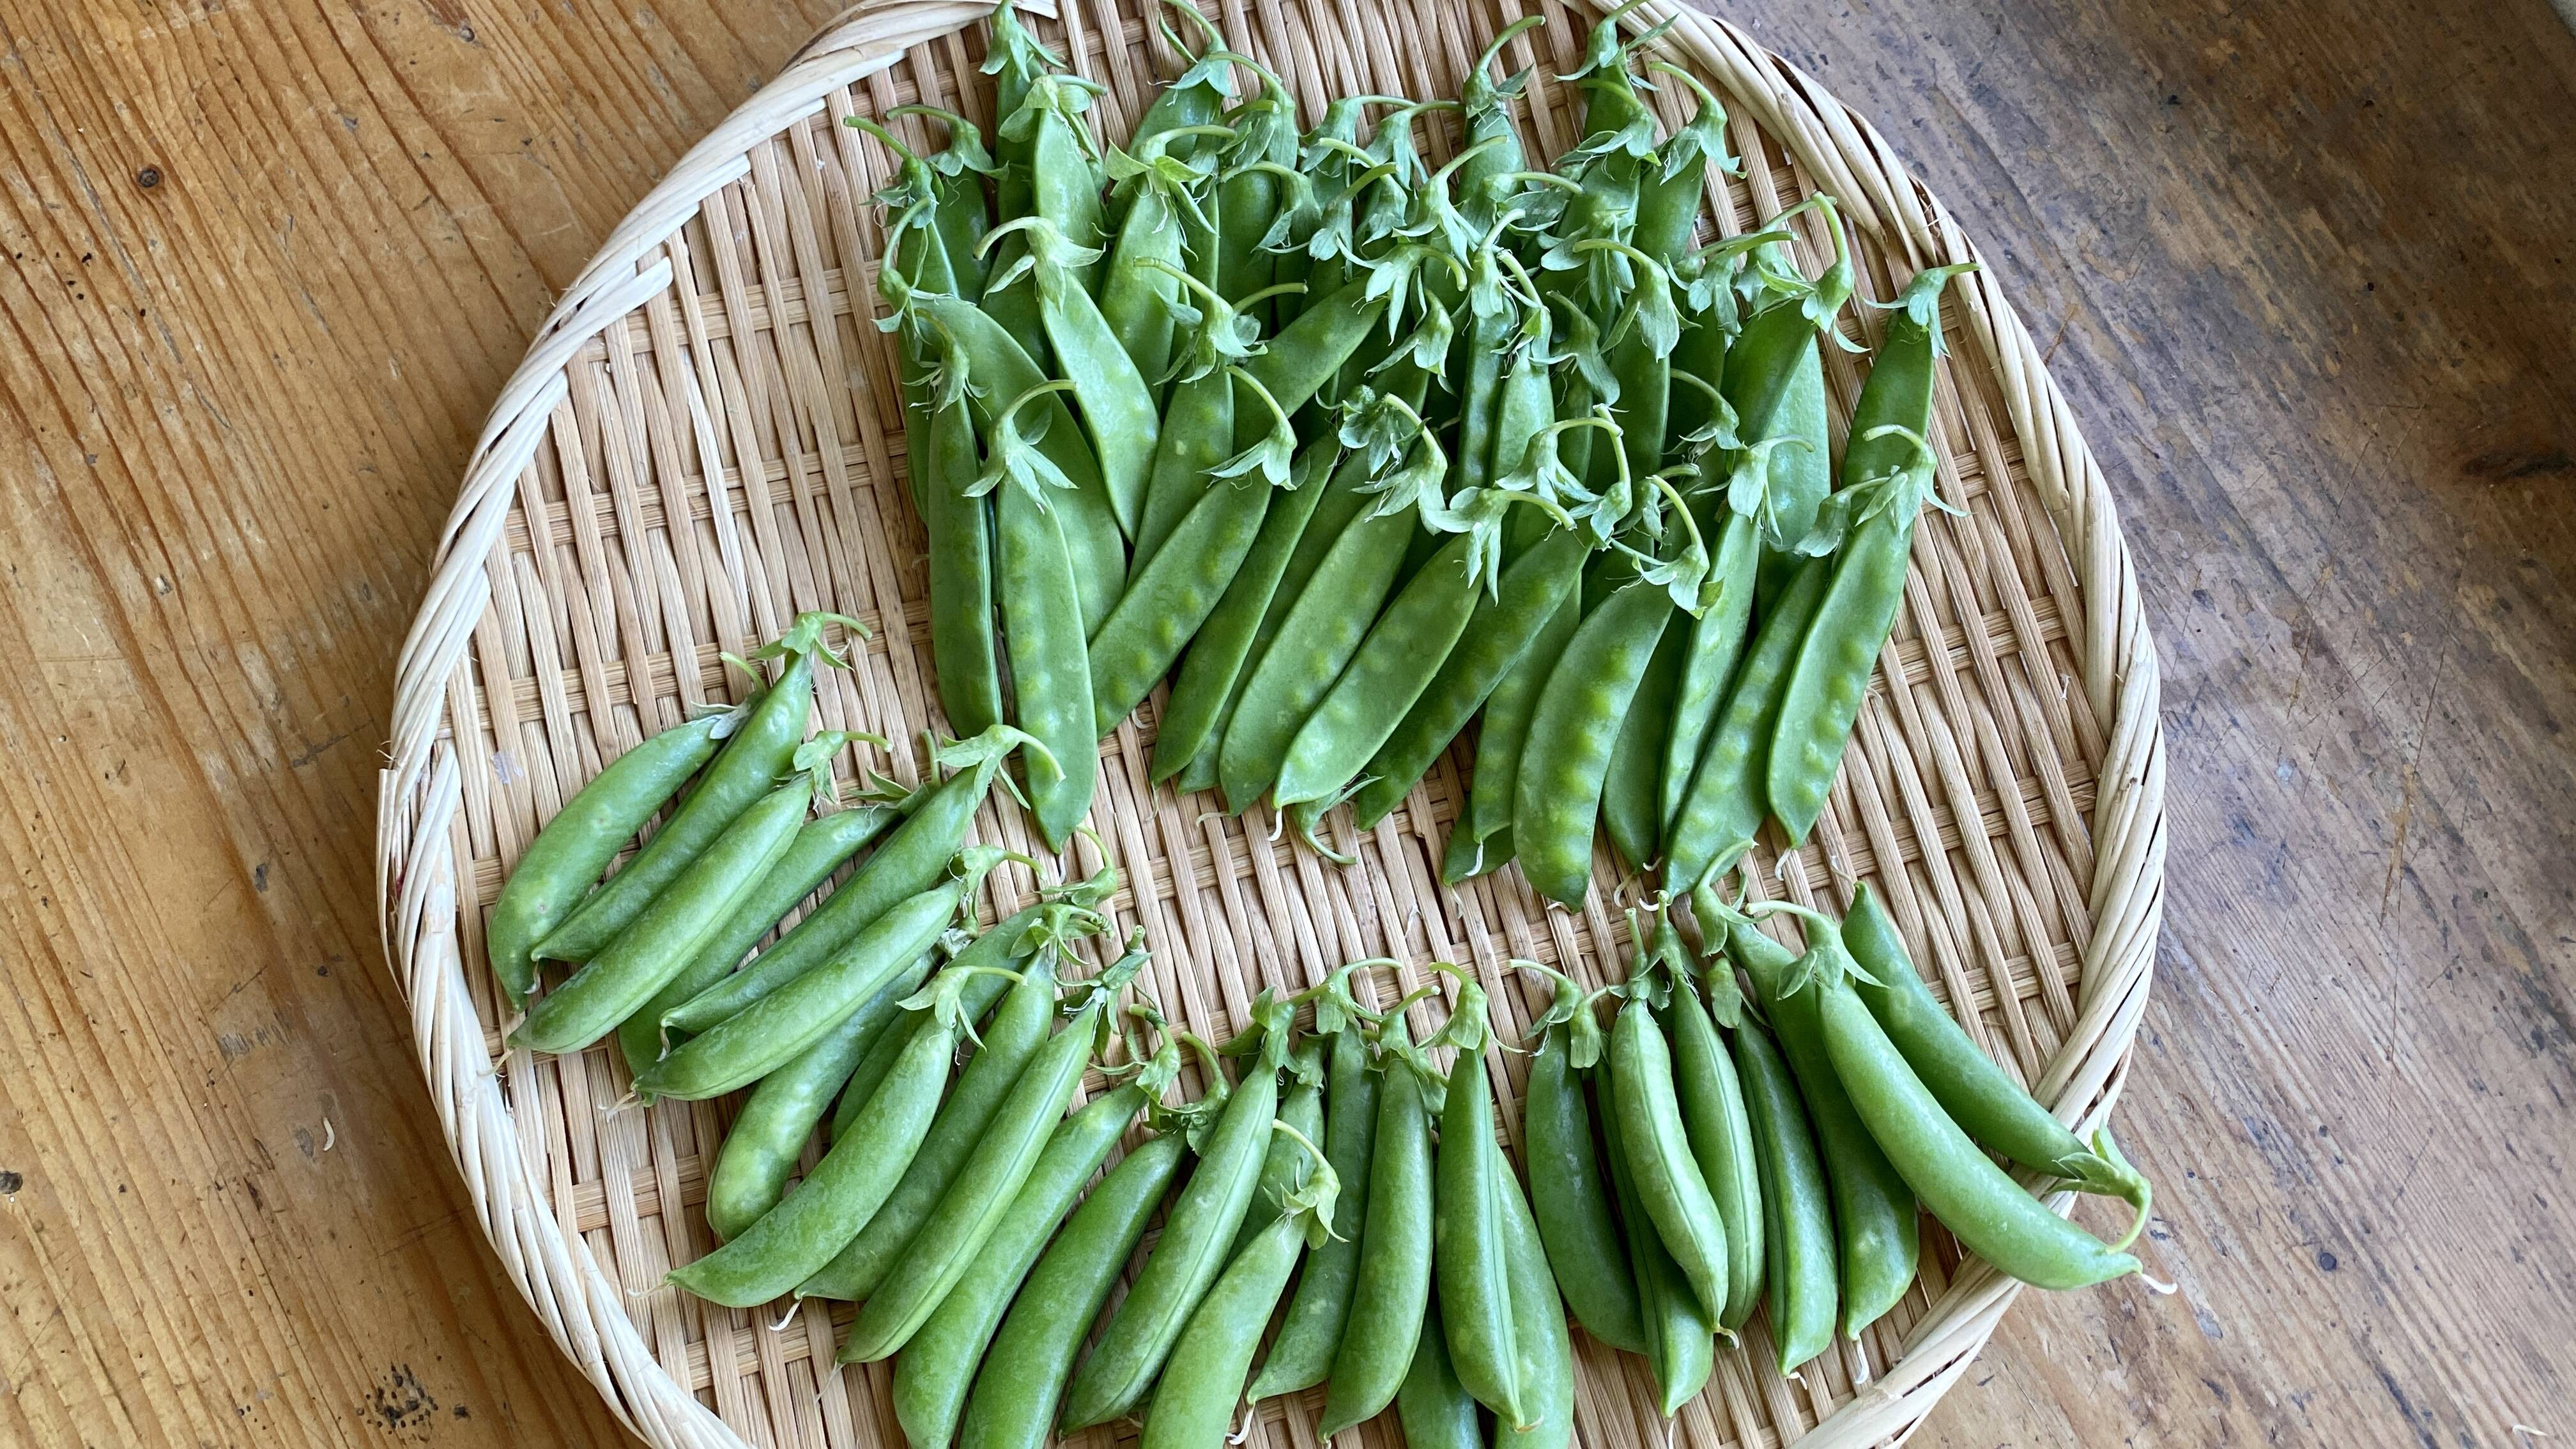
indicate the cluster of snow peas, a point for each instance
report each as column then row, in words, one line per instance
column 1359, row 451
column 1776, row 1150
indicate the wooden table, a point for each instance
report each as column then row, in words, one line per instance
column 2309, row 276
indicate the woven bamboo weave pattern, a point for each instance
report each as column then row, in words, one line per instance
column 705, row 439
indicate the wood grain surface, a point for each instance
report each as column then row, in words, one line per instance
column 2309, row 267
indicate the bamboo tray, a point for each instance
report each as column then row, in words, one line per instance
column 704, row 440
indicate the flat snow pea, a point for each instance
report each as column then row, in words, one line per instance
column 1136, row 299
column 1505, row 732
column 1064, row 177
column 1716, row 641
column 1042, row 615
column 1632, row 788
column 1118, row 408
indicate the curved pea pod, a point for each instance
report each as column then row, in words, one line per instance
column 1116, row 404
column 1013, row 1405
column 1681, row 1345
column 1005, row 947
column 1716, row 642
column 770, row 1032
column 1303, row 1352
column 1431, row 1406
column 658, row 943
column 1202, row 1223
column 1632, row 789
column 559, row 867
column 760, row 1150
column 1505, row 731
column 1010, row 1043
column 1538, row 1329
column 1874, row 1210
column 753, row 760
column 1394, row 1283
column 937, row 1366
column 1388, row 672
column 1572, row 1201
column 1286, row 1166
column 1050, row 663
column 1721, row 1140
column 1669, row 1183
column 1469, row 1255
column 1977, row 1093
column 1566, row 758
column 839, row 1197
column 979, row 1196
column 1724, row 805
column 1797, row 1209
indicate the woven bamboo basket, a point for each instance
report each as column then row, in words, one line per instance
column 704, row 440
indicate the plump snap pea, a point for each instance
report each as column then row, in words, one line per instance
column 1498, row 635
column 1116, row 404
column 1978, row 1094
column 839, row 1197
column 1538, row 1327
column 1006, row 947
column 1023, row 1379
column 1505, row 731
column 1647, row 1110
column 658, row 944
column 1470, row 1259
column 1681, row 1345
column 1572, row 1201
column 760, row 1150
column 767, row 1034
column 1632, row 788
column 1303, row 1351
column 935, row 1369
column 959, row 534
column 1393, row 665
column 1724, row 805
column 1564, row 760
column 752, row 761
column 1721, row 1139
column 1196, row 1233
column 1874, row 1210
column 1286, row 1165
column 1716, row 642
column 1010, row 1043
column 820, row 848
column 1394, row 1283
column 979, row 1197
column 561, row 865
column 1797, row 1210
column 1050, row 667
column 1431, row 1406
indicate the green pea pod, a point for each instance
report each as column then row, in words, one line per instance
column 1391, row 668
column 759, row 1151
column 1505, row 731
column 975, row 997
column 1775, row 382
column 1716, row 642
column 1470, row 1260
column 1311, row 349
column 1393, row 1288
column 1497, row 637
column 1065, row 181
column 1248, row 199
column 1017, row 62
column 963, row 216
column 1000, row 1160
column 1573, row 1202
column 1681, row 1346
column 1117, row 407
column 1202, row 1222
column 770, row 1032
column 1632, row 788
column 1647, row 1111
column 1797, row 1209
column 1050, row 666
column 1801, row 473
column 1721, row 1140
column 959, row 533
column 1303, row 1351
column 1978, row 1094
column 1010, row 1043
column 1874, row 1210
column 1324, row 628
column 559, row 867
column 1013, row 1405
column 751, row 763
column 1464, row 857
column 1285, row 1167
column 1197, row 435
column 820, row 848
column 1195, row 1399
column 1538, row 1328
column 1195, row 97
column 1566, row 758
column 1724, row 805
column 839, row 1197
column 937, row 1366
column 1136, row 299
column 1431, row 1406
column 658, row 944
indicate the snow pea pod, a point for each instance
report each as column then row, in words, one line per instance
column 1198, row 95
column 958, row 532
column 1065, row 181
column 1505, row 731
column 1118, row 409
column 1566, row 757
column 1016, row 62
column 660, row 941
column 1313, row 348
column 1431, row 1406
column 959, row 172
column 1136, row 299
column 1393, row 1289
column 1248, row 196
column 1303, row 1352
column 1680, row 1334
column 1797, row 1210
column 559, row 867
column 1632, row 788
column 1470, row 1258
column 1723, row 808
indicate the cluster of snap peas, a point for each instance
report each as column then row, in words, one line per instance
column 1359, row 451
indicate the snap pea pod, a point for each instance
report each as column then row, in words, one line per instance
column 1393, row 1288
column 1010, row 1043
column 1202, row 1222
column 1303, row 1352
column 561, row 865
column 936, row 1368
column 1775, row 382
column 1016, row 61
column 1013, row 1405
column 1463, row 856
column 1874, row 1209
column 1136, row 299
column 839, row 1197
column 767, row 1034
column 973, row 1206
column 1470, row 1257
column 659, row 942
column 1716, row 642
column 1198, row 95
column 1680, row 1335
column 1977, row 1093
column 1385, row 675
column 1042, row 617
column 1117, row 407
column 1721, row 1140
column 958, row 186
column 1505, row 732
column 1797, row 1210
column 1566, row 757
column 1431, row 1406
column 1004, row 947
column 1197, row 435
column 819, row 849
column 1632, row 787
column 1285, row 1166
column 1499, row 634
column 760, row 1150
column 1570, row 1198
column 1485, row 106
column 1646, row 1108
column 958, row 533
column 1670, row 193
column 1538, row 1328
column 910, row 862
column 1723, row 807
column 750, row 764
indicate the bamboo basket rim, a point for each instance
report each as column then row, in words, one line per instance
column 424, row 900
